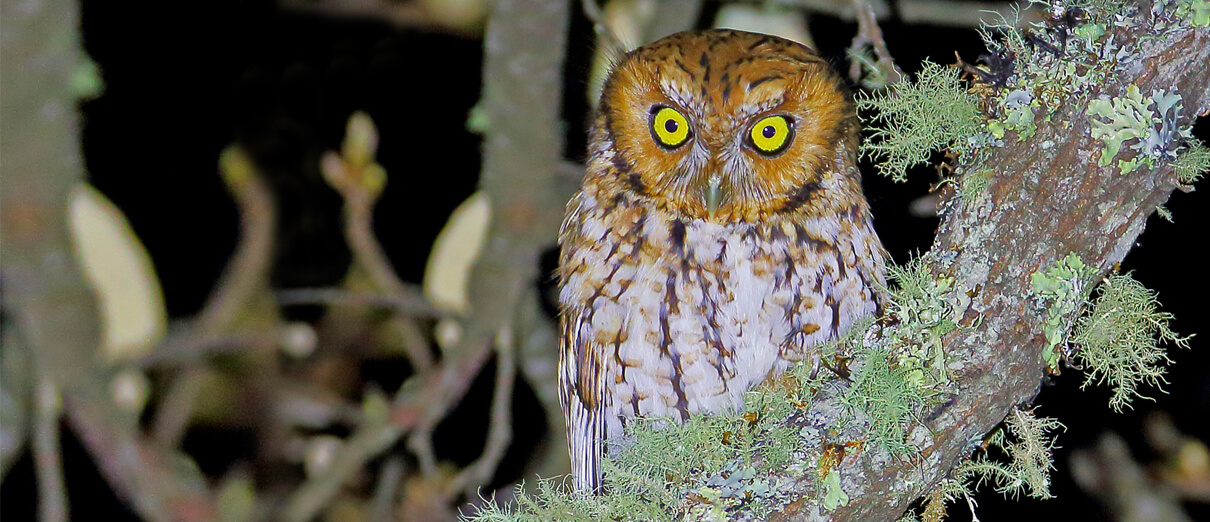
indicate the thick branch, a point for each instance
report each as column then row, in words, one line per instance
column 43, row 289
column 1042, row 204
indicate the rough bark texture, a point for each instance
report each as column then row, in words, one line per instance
column 1042, row 205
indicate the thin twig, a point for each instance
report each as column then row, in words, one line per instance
column 608, row 38
column 175, row 410
column 52, row 494
column 248, row 271
column 420, row 442
column 500, row 431
column 421, row 402
column 410, row 302
column 868, row 33
column 188, row 349
column 245, row 275
column 382, row 506
column 359, row 180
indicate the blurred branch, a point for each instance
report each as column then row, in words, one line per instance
column 48, row 461
column 411, row 302
column 500, row 430
column 422, row 401
column 952, row 13
column 539, row 364
column 16, row 391
column 1108, row 473
column 360, row 181
column 868, row 33
column 44, row 294
column 606, row 37
column 382, row 506
column 186, row 349
column 672, row 16
column 245, row 278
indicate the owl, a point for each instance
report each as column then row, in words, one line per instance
column 720, row 234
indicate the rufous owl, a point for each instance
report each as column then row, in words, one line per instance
column 720, row 235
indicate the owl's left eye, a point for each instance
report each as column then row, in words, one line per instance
column 771, row 135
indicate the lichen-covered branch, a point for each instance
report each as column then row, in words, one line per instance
column 1042, row 204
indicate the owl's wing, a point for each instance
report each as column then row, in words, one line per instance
column 581, row 375
column 581, row 392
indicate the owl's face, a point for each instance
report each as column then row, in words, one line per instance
column 727, row 126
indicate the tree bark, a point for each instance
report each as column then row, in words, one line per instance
column 1041, row 205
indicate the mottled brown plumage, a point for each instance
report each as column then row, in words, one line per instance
column 720, row 234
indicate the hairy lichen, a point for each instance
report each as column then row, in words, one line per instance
column 913, row 119
column 1192, row 162
column 894, row 379
column 1119, row 339
column 1028, row 448
column 711, row 467
column 889, row 396
column 1060, row 288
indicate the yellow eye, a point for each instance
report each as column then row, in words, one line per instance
column 669, row 127
column 772, row 135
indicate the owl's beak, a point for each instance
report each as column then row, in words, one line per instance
column 715, row 194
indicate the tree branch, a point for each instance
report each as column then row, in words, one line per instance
column 1042, row 204
column 43, row 289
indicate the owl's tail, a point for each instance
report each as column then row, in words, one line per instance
column 585, row 443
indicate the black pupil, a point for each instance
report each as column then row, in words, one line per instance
column 670, row 126
column 768, row 131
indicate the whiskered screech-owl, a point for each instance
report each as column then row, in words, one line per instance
column 720, row 234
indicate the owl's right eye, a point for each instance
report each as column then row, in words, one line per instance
column 669, row 127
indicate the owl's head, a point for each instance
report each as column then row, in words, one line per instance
column 728, row 126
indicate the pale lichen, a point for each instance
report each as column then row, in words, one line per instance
column 1028, row 446
column 1119, row 339
column 1155, row 134
column 1060, row 290
column 1192, row 162
column 915, row 118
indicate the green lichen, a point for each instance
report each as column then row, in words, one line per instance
column 1119, row 339
column 893, row 380
column 913, row 119
column 1199, row 13
column 1060, row 288
column 1196, row 11
column 926, row 308
column 975, row 184
column 833, row 495
column 1018, row 109
column 1123, row 119
column 710, row 467
column 1192, row 162
column 1130, row 118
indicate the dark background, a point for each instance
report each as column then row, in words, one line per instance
column 184, row 81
